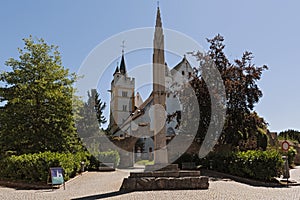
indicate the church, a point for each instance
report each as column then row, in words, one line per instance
column 130, row 116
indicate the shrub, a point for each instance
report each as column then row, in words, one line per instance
column 111, row 156
column 35, row 167
column 186, row 157
column 260, row 165
column 291, row 155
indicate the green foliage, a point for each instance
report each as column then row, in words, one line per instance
column 290, row 134
column 111, row 156
column 38, row 91
column 259, row 165
column 291, row 155
column 35, row 167
column 99, row 107
column 262, row 139
column 186, row 157
column 145, row 162
column 89, row 121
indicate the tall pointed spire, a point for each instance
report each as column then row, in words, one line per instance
column 158, row 42
column 159, row 94
column 158, row 18
column 122, row 65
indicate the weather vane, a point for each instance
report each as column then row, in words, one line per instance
column 157, row 3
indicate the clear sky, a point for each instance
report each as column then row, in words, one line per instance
column 269, row 28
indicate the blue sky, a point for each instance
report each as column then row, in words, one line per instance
column 269, row 28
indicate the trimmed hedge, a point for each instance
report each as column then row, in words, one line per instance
column 109, row 157
column 97, row 158
column 35, row 167
column 259, row 165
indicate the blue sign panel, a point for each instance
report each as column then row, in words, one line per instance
column 57, row 177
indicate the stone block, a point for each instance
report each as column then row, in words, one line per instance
column 189, row 173
column 164, row 183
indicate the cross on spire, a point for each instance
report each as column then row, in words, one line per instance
column 123, row 46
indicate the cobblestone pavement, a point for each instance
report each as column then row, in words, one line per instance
column 105, row 185
column 295, row 174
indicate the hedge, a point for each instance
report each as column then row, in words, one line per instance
column 109, row 157
column 35, row 167
column 259, row 165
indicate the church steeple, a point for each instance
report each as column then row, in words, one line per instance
column 117, row 70
column 122, row 65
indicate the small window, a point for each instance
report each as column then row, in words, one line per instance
column 182, row 73
column 124, row 94
column 124, row 107
column 190, row 74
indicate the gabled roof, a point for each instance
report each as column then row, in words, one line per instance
column 183, row 61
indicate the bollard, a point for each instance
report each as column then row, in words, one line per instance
column 286, row 170
column 210, row 164
column 81, row 167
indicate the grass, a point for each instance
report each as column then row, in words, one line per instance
column 145, row 162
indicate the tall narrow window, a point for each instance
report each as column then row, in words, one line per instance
column 124, row 107
column 124, row 94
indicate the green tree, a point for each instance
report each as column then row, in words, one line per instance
column 90, row 120
column 38, row 92
column 99, row 107
column 91, row 116
column 290, row 134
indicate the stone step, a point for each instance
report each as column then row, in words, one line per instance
column 165, row 174
column 162, row 167
column 164, row 183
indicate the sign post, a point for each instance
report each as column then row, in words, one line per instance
column 285, row 146
column 57, row 177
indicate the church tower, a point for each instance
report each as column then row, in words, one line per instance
column 122, row 96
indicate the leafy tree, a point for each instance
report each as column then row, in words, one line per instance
column 290, row 134
column 90, row 121
column 38, row 92
column 242, row 93
column 91, row 116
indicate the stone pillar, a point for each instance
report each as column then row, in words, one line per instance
column 159, row 95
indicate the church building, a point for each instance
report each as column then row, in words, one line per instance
column 130, row 116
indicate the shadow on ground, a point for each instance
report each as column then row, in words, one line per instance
column 102, row 196
column 218, row 176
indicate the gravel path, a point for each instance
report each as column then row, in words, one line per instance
column 105, row 185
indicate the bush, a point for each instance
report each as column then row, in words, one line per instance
column 291, row 155
column 111, row 156
column 186, row 157
column 260, row 165
column 35, row 167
